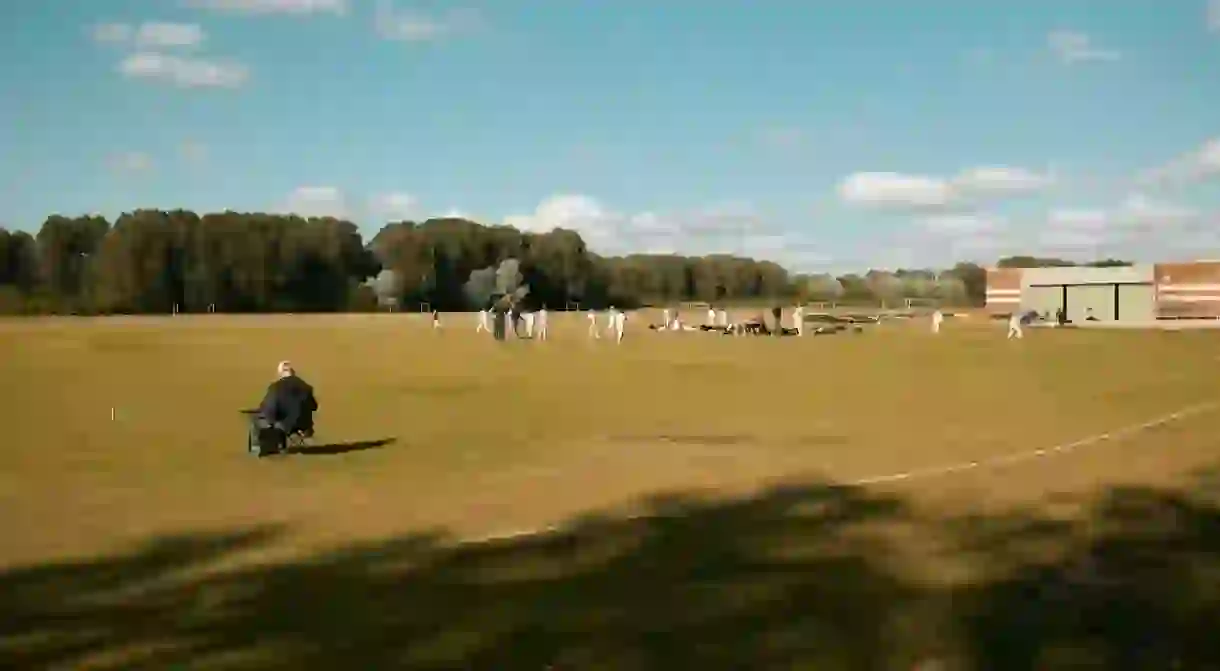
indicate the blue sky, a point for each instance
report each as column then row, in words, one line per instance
column 821, row 133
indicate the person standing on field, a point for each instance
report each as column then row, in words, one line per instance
column 937, row 319
column 798, row 319
column 593, row 332
column 620, row 324
column 484, row 322
column 1014, row 326
column 542, row 323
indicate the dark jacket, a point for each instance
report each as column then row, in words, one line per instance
column 289, row 404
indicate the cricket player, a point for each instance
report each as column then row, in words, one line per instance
column 1014, row 326
column 542, row 323
column 484, row 322
column 620, row 324
column 610, row 322
column 938, row 318
column 593, row 332
column 711, row 316
column 798, row 319
column 667, row 320
column 529, row 324
column 436, row 319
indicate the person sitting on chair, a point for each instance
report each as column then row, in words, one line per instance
column 285, row 413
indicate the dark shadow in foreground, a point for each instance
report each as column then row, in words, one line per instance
column 793, row 578
column 333, row 449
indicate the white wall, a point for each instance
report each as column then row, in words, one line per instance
column 1078, row 275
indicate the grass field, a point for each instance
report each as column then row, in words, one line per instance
column 423, row 433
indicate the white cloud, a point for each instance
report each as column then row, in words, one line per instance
column 150, row 34
column 1000, row 180
column 1135, row 211
column 889, row 189
column 316, row 201
column 727, row 227
column 1200, row 164
column 184, row 72
column 1137, row 227
column 957, row 225
column 1080, row 219
column 1213, row 16
column 922, row 192
column 265, row 7
column 409, row 26
column 1072, row 47
column 1139, row 210
column 130, row 162
column 397, row 206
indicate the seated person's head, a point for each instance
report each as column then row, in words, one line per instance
column 284, row 369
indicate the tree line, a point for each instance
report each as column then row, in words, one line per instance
column 155, row 261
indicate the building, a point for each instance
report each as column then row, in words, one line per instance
column 1138, row 293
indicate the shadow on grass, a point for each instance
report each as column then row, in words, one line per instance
column 794, row 578
column 333, row 449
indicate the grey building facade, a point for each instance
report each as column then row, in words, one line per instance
column 1125, row 294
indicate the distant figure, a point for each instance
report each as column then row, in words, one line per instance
column 620, row 324
column 1061, row 317
column 1014, row 326
column 666, row 319
column 798, row 319
column 436, row 319
column 484, row 322
column 938, row 318
column 610, row 320
column 593, row 331
column 542, row 323
column 529, row 324
column 711, row 316
column 286, row 410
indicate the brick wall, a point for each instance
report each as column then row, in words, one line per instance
column 1003, row 290
column 1188, row 290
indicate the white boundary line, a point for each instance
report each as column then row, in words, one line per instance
column 935, row 471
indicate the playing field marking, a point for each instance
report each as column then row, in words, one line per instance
column 939, row 471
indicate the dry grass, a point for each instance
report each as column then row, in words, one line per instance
column 490, row 436
column 328, row 560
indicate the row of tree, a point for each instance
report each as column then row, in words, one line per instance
column 153, row 261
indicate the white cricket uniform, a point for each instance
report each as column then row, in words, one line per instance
column 542, row 324
column 665, row 320
column 593, row 332
column 529, row 324
column 620, row 325
column 1014, row 327
column 798, row 320
column 711, row 317
column 484, row 322
column 937, row 320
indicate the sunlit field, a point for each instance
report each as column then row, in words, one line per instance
column 121, row 430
